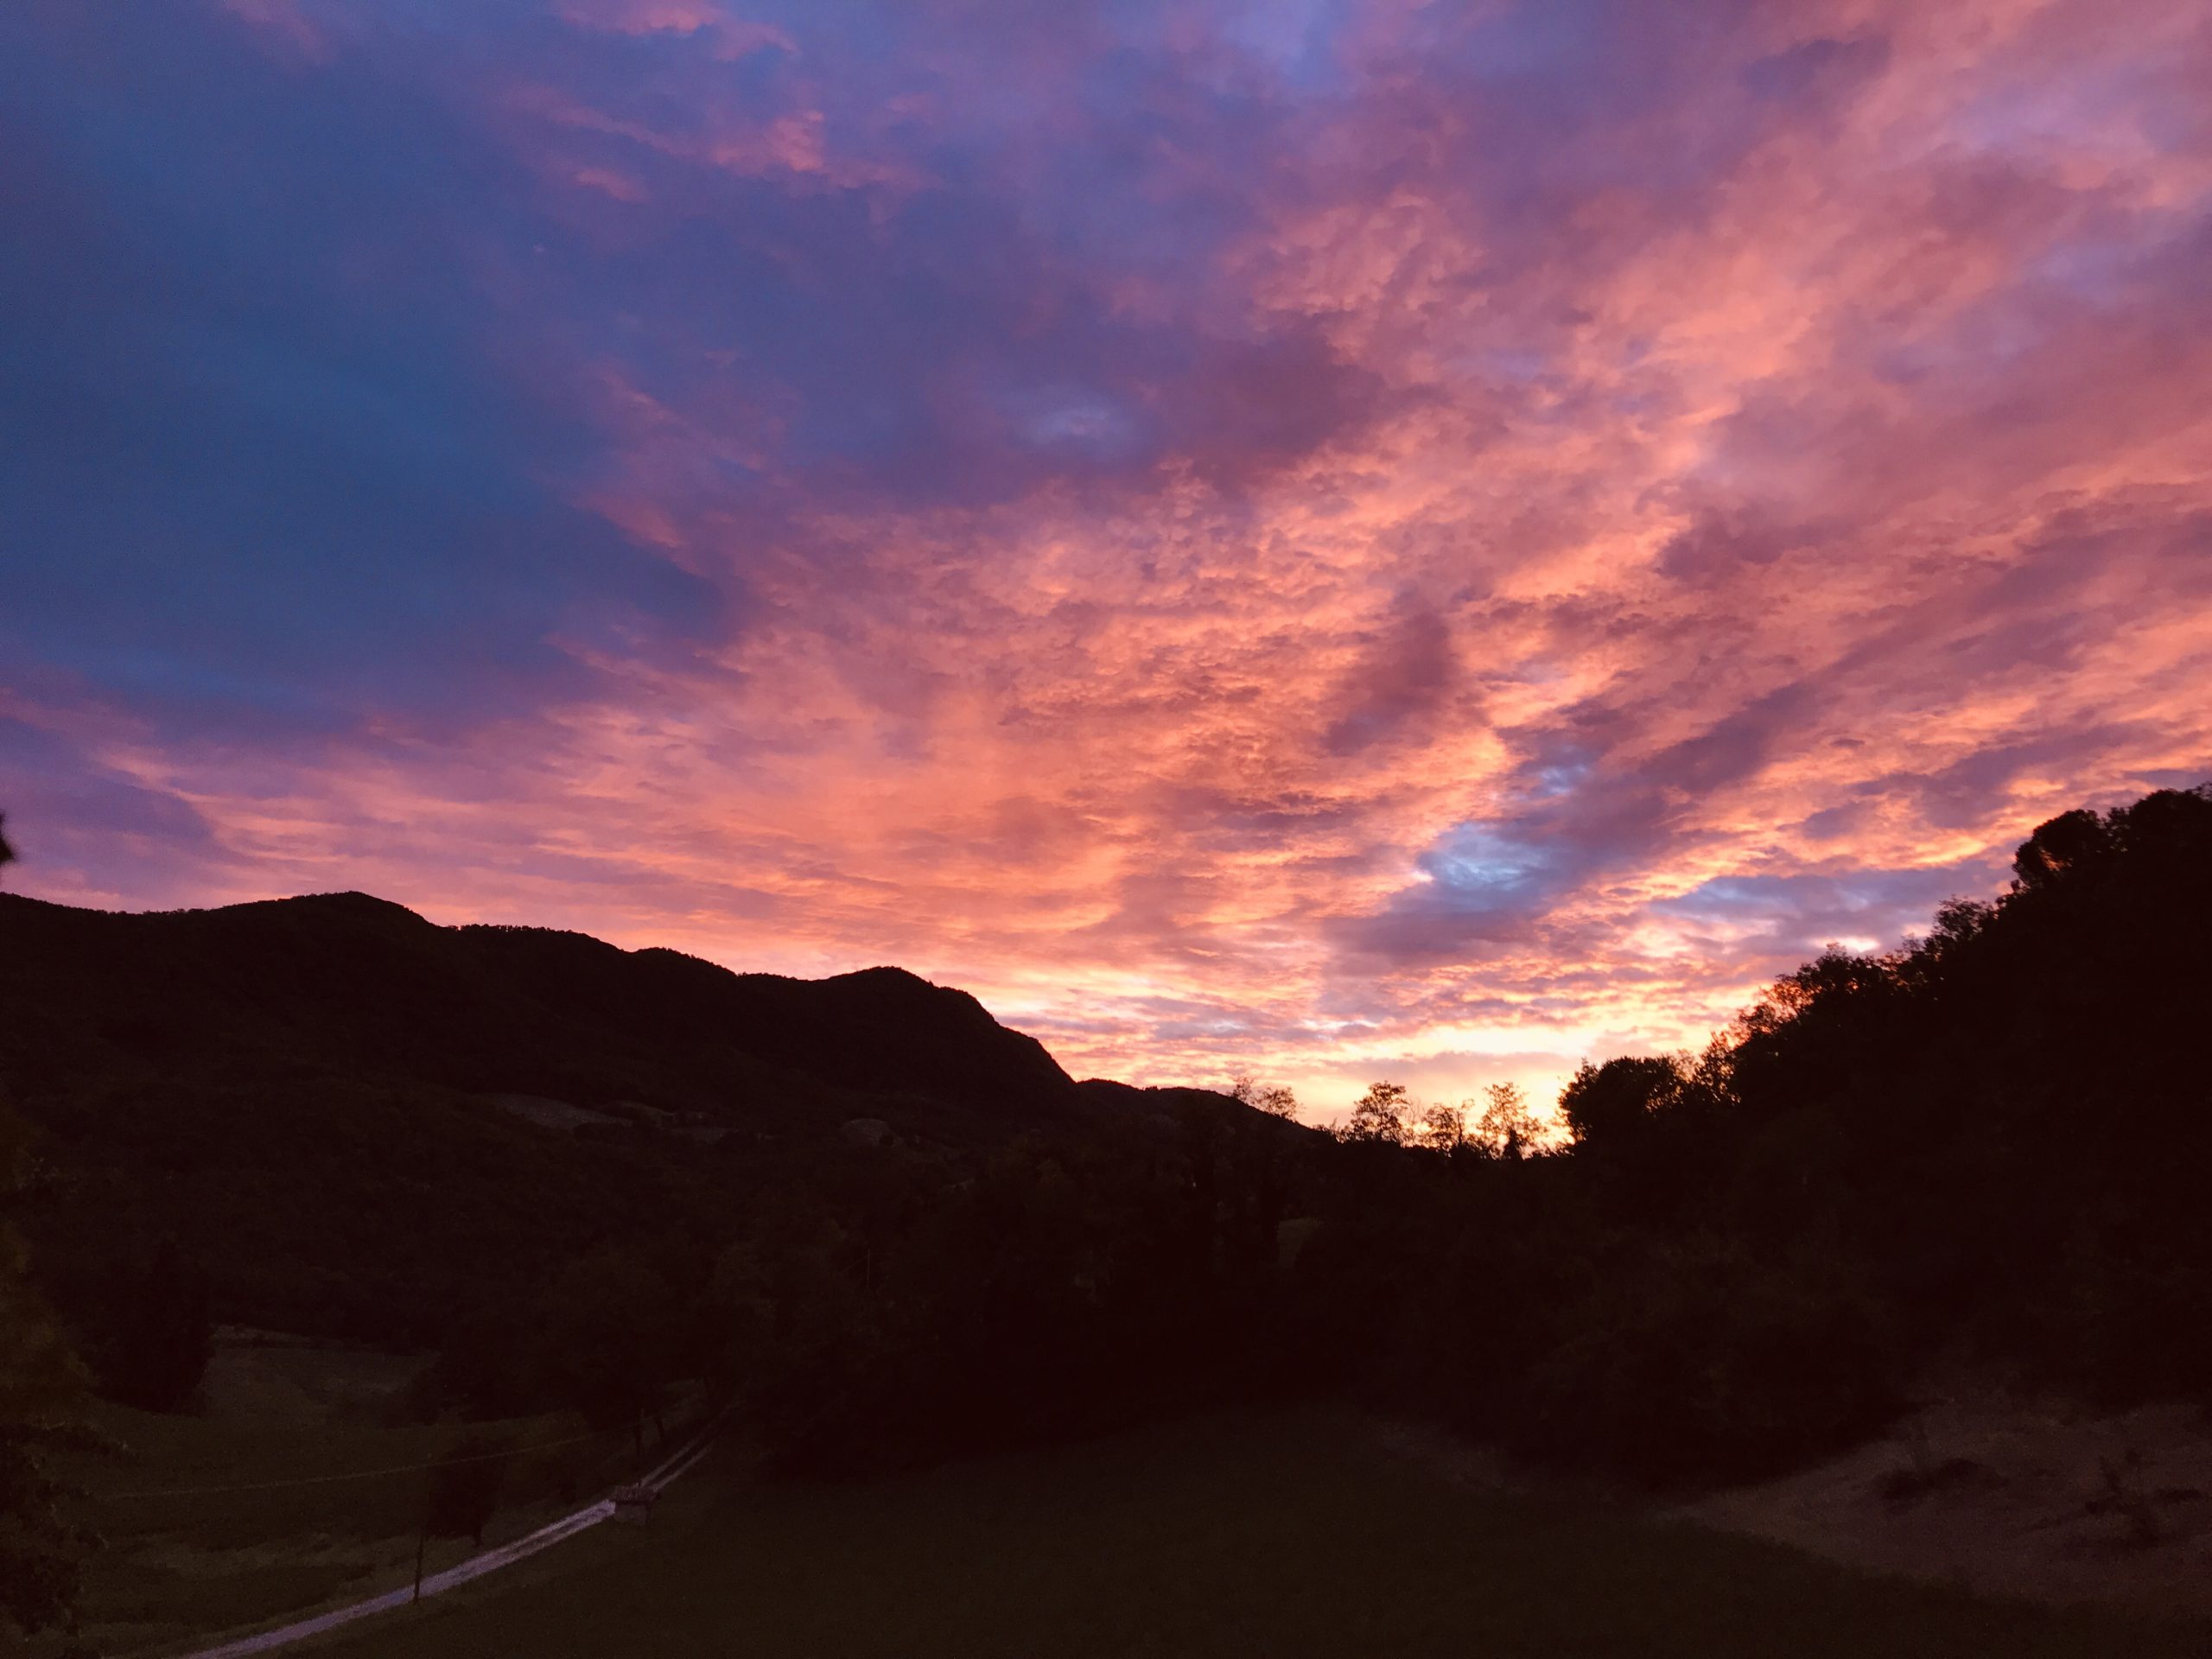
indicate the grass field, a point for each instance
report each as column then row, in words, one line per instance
column 205, row 1532
column 1289, row 1535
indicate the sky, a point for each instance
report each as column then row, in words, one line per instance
column 1331, row 540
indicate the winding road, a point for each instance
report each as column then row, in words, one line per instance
column 474, row 1567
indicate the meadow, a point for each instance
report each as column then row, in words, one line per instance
column 1291, row 1534
column 227, row 1516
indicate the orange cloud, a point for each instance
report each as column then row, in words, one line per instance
column 1571, row 527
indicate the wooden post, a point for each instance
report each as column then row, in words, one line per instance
column 421, row 1542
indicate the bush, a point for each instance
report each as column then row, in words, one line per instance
column 1702, row 1358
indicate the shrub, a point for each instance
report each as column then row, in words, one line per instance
column 1702, row 1358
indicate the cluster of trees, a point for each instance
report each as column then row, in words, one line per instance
column 1992, row 1143
column 899, row 1303
column 1503, row 1123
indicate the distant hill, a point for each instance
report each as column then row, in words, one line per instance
column 356, row 1119
column 347, row 980
column 1136, row 1101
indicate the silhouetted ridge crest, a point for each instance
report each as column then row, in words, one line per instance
column 352, row 980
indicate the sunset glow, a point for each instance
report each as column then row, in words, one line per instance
column 1333, row 541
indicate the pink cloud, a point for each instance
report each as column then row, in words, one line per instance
column 1561, row 557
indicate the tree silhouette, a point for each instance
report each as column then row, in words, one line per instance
column 1381, row 1115
column 1273, row 1099
column 41, row 1390
column 1444, row 1128
column 614, row 1325
column 2068, row 842
column 461, row 1495
column 1509, row 1127
column 41, row 1386
column 1601, row 1105
column 160, row 1350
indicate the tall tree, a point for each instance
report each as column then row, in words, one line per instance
column 1382, row 1114
column 461, row 1495
column 41, row 1389
column 612, row 1323
column 1444, row 1128
column 1603, row 1103
column 1508, row 1127
column 1271, row 1098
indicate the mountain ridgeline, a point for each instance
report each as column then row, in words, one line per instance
column 355, row 985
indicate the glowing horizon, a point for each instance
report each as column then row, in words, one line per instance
column 1337, row 541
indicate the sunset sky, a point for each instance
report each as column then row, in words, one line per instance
column 1339, row 540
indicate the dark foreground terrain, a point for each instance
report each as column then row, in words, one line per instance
column 881, row 1234
column 1295, row 1534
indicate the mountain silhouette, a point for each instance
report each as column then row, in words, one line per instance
column 351, row 983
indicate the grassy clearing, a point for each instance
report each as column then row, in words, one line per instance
column 182, row 1562
column 1288, row 1535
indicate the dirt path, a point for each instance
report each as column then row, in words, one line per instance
column 474, row 1567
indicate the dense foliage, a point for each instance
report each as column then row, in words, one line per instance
column 1994, row 1142
column 41, row 1548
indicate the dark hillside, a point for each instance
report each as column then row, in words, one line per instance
column 295, row 1097
column 1137, row 1101
column 353, row 982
